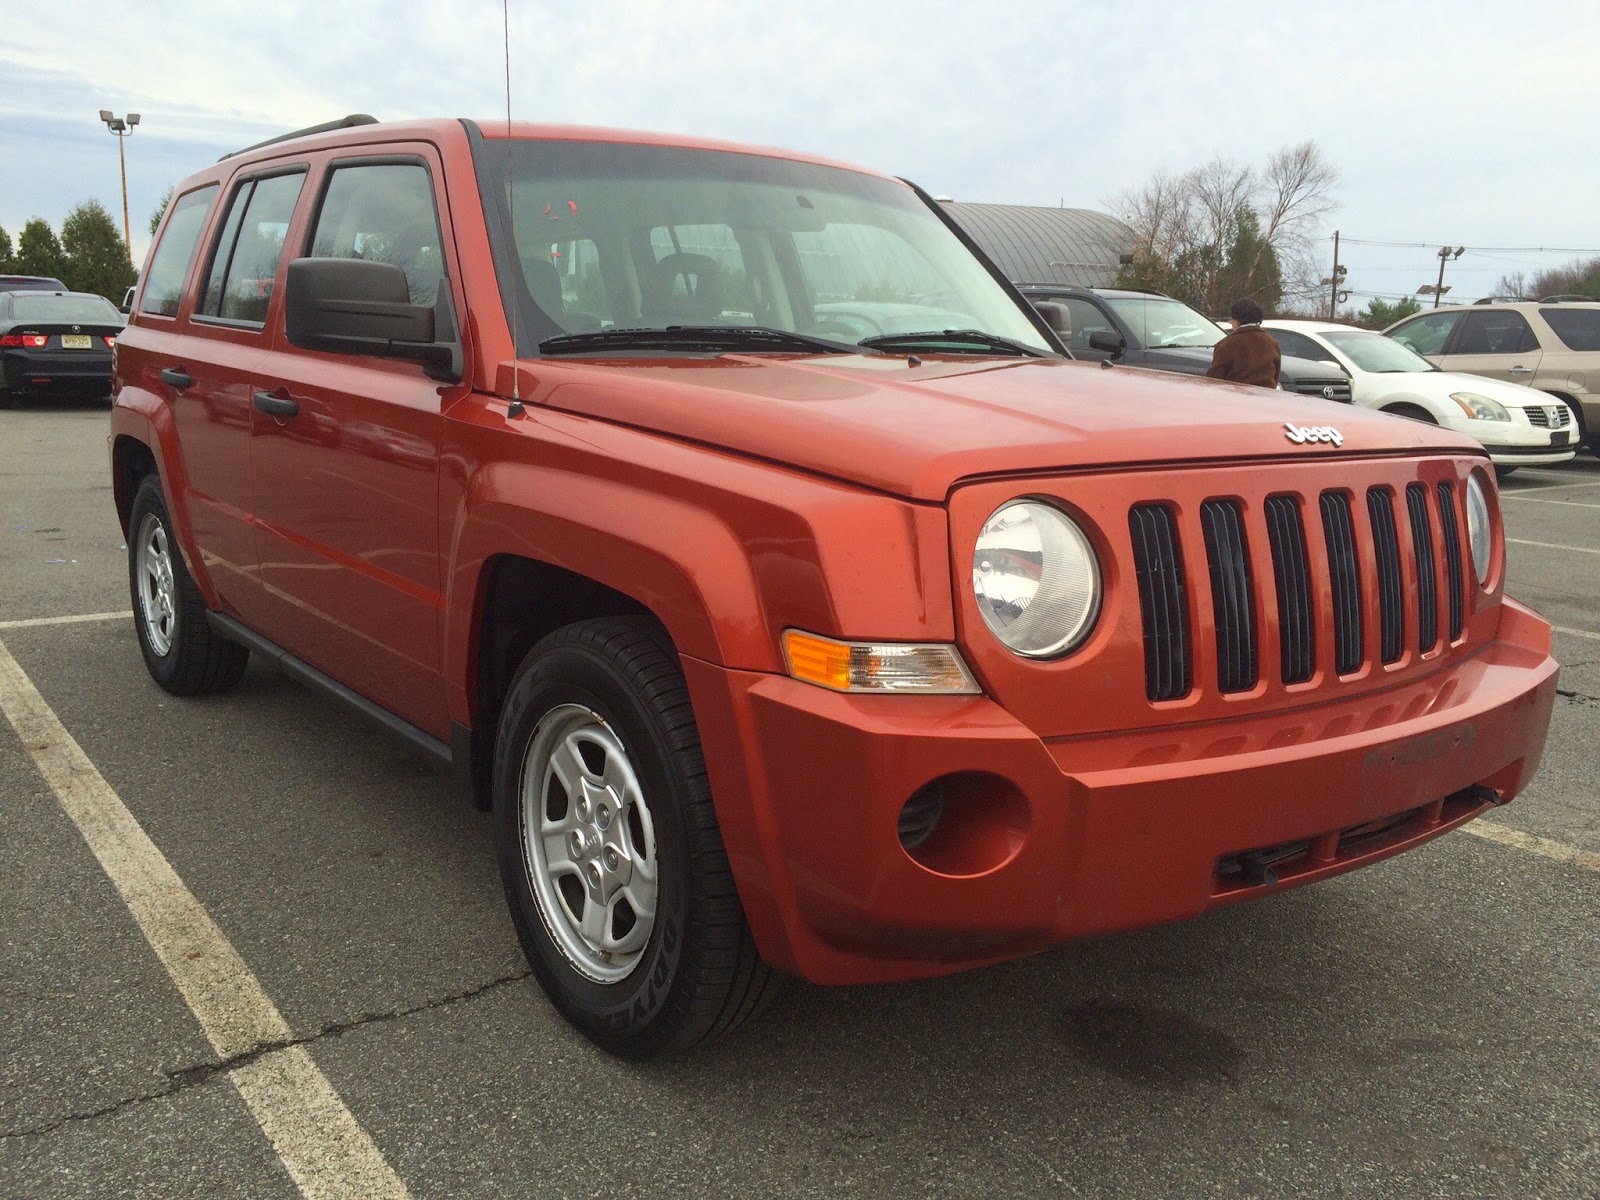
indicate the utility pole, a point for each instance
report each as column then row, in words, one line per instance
column 1334, row 280
column 122, row 127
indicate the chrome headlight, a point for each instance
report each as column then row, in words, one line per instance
column 1480, row 408
column 1036, row 579
column 1479, row 539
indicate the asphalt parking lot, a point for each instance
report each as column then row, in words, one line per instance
column 1424, row 1028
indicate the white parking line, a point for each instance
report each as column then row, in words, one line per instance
column 327, row 1154
column 1583, row 633
column 1544, row 847
column 1541, row 500
column 32, row 621
column 1514, row 493
column 1553, row 546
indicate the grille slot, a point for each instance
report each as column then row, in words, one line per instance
column 1386, row 549
column 1451, row 529
column 1345, row 577
column 1163, row 601
column 1427, row 578
column 1231, row 598
column 1297, row 637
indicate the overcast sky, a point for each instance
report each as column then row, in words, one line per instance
column 1465, row 122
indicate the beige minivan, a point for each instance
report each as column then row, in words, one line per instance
column 1552, row 345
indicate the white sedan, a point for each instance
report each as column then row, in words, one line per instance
column 1518, row 426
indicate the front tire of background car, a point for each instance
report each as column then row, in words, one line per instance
column 1504, row 472
column 181, row 651
column 1412, row 412
column 614, row 869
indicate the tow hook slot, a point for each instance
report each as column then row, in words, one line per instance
column 1256, row 870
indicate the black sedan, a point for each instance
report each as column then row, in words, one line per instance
column 56, row 344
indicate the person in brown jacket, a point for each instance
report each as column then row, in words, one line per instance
column 1249, row 354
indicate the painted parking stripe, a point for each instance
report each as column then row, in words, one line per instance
column 1583, row 633
column 30, row 622
column 1544, row 847
column 1553, row 546
column 1514, row 493
column 327, row 1154
column 1542, row 500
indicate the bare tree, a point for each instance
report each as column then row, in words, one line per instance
column 1187, row 226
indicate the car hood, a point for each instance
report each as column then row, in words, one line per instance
column 1437, row 385
column 917, row 430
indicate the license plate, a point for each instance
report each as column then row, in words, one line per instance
column 1560, row 439
column 76, row 341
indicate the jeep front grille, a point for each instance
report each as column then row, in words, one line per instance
column 1306, row 608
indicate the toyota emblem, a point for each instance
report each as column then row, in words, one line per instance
column 1327, row 392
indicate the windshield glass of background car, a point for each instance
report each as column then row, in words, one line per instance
column 43, row 306
column 1374, row 352
column 1578, row 328
column 625, row 236
column 1164, row 322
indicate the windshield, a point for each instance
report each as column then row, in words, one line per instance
column 44, row 306
column 1374, row 352
column 1159, row 322
column 609, row 238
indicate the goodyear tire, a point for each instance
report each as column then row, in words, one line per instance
column 181, row 651
column 613, row 865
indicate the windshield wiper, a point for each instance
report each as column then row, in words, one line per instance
column 704, row 338
column 951, row 341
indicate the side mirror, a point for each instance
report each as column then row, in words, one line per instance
column 1056, row 316
column 352, row 306
column 1108, row 342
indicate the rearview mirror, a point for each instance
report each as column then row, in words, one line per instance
column 352, row 306
column 1056, row 316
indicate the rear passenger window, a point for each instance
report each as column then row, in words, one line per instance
column 1494, row 333
column 383, row 212
column 1578, row 328
column 169, row 265
column 245, row 261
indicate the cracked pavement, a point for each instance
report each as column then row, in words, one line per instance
column 1423, row 1028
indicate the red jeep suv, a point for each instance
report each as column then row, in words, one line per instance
column 775, row 644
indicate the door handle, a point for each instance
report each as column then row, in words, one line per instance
column 1519, row 370
column 277, row 406
column 176, row 377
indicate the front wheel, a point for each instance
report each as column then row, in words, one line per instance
column 613, row 866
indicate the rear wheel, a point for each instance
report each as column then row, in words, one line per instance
column 613, row 866
column 181, row 651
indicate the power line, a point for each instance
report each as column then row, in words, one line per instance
column 1477, row 249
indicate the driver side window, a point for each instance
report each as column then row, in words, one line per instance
column 1086, row 319
column 1427, row 335
column 1300, row 346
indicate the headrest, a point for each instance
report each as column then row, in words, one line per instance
column 685, row 287
column 544, row 284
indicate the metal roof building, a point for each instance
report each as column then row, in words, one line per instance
column 1047, row 245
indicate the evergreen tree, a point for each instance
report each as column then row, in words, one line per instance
column 38, row 251
column 8, row 265
column 1380, row 314
column 161, row 208
column 96, row 256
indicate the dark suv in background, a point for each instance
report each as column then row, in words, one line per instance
column 1165, row 334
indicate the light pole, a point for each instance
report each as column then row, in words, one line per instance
column 1439, row 289
column 122, row 127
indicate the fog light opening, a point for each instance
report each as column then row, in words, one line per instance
column 920, row 816
column 964, row 824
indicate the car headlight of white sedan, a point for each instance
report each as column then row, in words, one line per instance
column 1480, row 408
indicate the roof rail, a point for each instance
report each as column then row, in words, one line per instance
column 349, row 122
column 1568, row 298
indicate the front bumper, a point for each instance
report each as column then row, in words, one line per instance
column 1046, row 841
